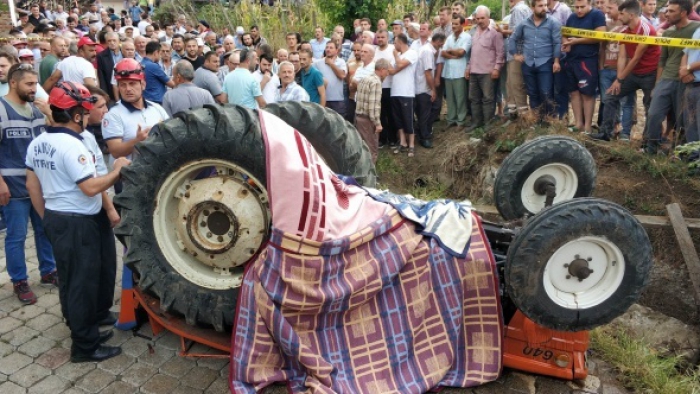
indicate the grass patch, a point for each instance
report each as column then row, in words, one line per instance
column 655, row 165
column 639, row 367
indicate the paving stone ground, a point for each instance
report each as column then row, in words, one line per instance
column 34, row 356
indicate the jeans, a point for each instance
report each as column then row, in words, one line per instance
column 561, row 95
column 481, row 95
column 632, row 83
column 691, row 112
column 539, row 86
column 607, row 77
column 667, row 97
column 17, row 215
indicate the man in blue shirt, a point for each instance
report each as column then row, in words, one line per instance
column 135, row 13
column 156, row 79
column 318, row 44
column 311, row 78
column 240, row 86
column 536, row 44
column 581, row 66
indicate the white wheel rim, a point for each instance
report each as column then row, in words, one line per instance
column 566, row 186
column 602, row 256
column 209, row 228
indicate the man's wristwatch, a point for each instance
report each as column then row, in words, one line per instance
column 620, row 80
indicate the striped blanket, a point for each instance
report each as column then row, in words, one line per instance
column 381, row 309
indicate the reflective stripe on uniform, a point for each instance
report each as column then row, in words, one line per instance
column 13, row 171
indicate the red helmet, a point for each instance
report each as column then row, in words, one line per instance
column 67, row 95
column 129, row 69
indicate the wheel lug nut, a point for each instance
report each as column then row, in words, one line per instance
column 566, row 265
column 206, row 213
column 576, row 257
column 203, row 224
column 590, row 259
column 568, row 276
column 220, row 238
column 208, row 235
column 187, row 194
column 230, row 234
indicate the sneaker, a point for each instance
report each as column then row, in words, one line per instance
column 381, row 145
column 24, row 293
column 50, row 279
column 599, row 137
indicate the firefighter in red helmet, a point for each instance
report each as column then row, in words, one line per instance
column 68, row 194
column 131, row 119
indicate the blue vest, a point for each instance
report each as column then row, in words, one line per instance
column 16, row 132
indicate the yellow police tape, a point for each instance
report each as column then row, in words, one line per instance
column 631, row 38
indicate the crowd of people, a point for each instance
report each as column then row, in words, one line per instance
column 69, row 76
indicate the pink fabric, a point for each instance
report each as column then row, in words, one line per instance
column 299, row 198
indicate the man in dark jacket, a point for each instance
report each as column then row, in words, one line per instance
column 106, row 61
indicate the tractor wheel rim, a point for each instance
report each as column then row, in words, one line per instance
column 584, row 273
column 211, row 217
column 565, row 179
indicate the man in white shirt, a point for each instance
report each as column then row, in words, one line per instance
column 423, row 37
column 59, row 14
column 426, row 91
column 384, row 50
column 334, row 71
column 76, row 68
column 403, row 90
column 269, row 82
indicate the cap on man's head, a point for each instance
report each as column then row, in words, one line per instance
column 85, row 41
column 204, row 23
column 397, row 22
column 19, row 43
column 24, row 53
column 128, row 28
column 240, row 30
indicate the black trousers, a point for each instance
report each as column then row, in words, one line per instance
column 424, row 113
column 86, row 261
column 388, row 134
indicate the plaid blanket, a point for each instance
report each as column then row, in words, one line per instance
column 381, row 309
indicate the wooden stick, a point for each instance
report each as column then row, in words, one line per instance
column 690, row 255
column 648, row 221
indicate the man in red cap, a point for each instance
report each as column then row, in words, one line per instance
column 129, row 122
column 76, row 68
column 67, row 193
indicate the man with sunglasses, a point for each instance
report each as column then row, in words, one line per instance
column 7, row 59
column 130, row 121
column 21, row 122
column 68, row 193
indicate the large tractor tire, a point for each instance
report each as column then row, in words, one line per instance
column 195, row 208
column 519, row 187
column 578, row 264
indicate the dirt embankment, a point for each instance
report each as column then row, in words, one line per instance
column 463, row 167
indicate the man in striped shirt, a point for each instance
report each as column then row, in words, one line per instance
column 369, row 106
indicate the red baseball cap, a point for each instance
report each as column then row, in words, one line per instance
column 85, row 41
